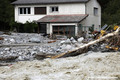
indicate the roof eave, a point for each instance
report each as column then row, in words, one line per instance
column 83, row 18
column 46, row 3
column 58, row 22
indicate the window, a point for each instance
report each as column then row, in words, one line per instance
column 95, row 11
column 54, row 9
column 40, row 10
column 24, row 10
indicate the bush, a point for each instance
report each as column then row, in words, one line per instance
column 28, row 27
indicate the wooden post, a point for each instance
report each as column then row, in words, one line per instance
column 39, row 28
column 58, row 30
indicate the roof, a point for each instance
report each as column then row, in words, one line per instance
column 63, row 18
column 48, row 1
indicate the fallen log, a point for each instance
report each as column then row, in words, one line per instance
column 1, row 38
column 8, row 58
column 5, row 64
column 43, row 56
column 83, row 49
column 16, row 45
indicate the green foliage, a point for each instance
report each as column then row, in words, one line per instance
column 6, row 14
column 110, row 15
column 110, row 11
column 30, row 27
column 6, row 11
column 7, row 19
column 91, row 29
column 112, row 26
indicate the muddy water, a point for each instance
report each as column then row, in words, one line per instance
column 92, row 65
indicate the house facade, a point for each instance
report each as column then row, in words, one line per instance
column 64, row 17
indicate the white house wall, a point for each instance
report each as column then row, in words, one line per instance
column 26, row 17
column 78, row 8
column 92, row 19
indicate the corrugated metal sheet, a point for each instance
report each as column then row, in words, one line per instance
column 48, row 1
column 63, row 18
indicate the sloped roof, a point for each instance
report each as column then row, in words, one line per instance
column 48, row 1
column 63, row 18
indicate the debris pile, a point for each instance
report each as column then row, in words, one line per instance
column 30, row 46
column 23, row 38
column 84, row 48
column 93, row 64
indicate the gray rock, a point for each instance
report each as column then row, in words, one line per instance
column 80, row 40
column 73, row 40
column 62, row 42
column 68, row 47
column 7, row 49
column 1, row 33
column 68, row 41
column 35, row 40
column 12, row 40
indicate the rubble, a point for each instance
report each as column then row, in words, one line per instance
column 1, row 33
column 35, row 40
column 22, row 38
column 85, row 47
column 1, row 38
column 8, row 58
column 61, row 37
column 28, row 46
column 73, row 40
column 26, row 49
column 80, row 39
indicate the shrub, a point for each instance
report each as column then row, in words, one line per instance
column 28, row 27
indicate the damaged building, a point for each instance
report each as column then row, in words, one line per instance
column 61, row 17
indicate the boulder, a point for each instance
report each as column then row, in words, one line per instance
column 1, row 33
column 12, row 41
column 68, row 41
column 68, row 47
column 7, row 49
column 80, row 39
column 73, row 40
column 35, row 40
column 62, row 42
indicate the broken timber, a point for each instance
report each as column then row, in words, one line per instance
column 8, row 58
column 83, row 49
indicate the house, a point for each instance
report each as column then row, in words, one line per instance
column 65, row 17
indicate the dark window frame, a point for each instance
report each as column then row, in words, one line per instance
column 24, row 10
column 40, row 10
column 54, row 9
column 95, row 11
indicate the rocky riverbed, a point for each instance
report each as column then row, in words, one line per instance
column 26, row 46
column 23, row 47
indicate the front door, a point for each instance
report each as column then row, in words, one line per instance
column 42, row 28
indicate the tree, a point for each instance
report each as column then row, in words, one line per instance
column 6, row 13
